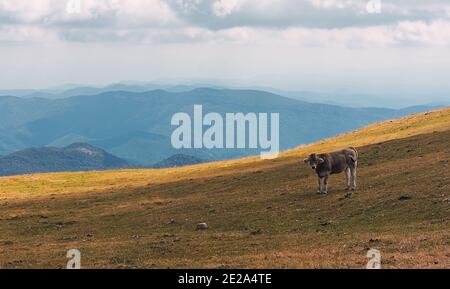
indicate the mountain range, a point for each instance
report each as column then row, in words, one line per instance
column 76, row 157
column 136, row 126
column 340, row 98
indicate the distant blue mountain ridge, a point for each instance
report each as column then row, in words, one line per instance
column 135, row 125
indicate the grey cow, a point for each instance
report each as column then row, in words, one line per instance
column 335, row 163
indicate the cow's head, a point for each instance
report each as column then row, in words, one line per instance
column 313, row 161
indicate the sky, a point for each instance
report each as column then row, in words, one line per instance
column 348, row 46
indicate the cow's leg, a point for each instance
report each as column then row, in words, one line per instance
column 347, row 178
column 353, row 175
column 325, row 184
column 319, row 182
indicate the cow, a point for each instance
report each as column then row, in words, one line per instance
column 334, row 163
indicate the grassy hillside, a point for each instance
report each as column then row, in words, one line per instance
column 260, row 213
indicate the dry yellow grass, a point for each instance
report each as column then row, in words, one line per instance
column 261, row 213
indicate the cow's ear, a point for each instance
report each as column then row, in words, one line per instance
column 306, row 160
column 320, row 160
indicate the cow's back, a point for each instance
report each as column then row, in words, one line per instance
column 338, row 162
column 342, row 159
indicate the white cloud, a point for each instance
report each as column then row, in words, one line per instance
column 341, row 4
column 223, row 8
column 92, row 12
column 24, row 11
column 28, row 34
column 294, row 22
column 436, row 33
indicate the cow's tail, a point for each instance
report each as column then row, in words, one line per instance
column 354, row 159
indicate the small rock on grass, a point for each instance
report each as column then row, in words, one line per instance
column 326, row 223
column 256, row 232
column 202, row 226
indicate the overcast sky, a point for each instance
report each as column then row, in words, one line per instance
column 287, row 44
